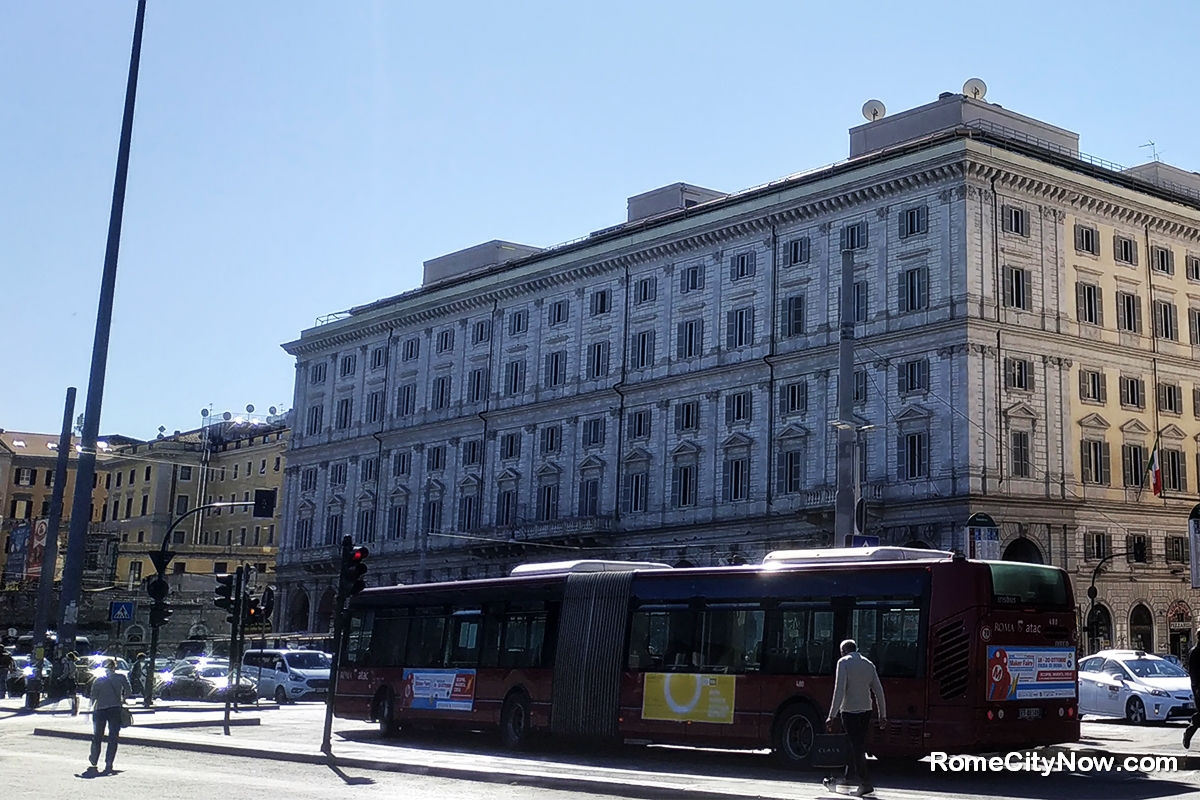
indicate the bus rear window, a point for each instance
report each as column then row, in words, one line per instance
column 1016, row 584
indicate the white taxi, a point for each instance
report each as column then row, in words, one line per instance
column 1139, row 686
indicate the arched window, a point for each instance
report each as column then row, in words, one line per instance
column 1141, row 629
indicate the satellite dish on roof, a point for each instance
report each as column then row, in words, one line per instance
column 975, row 89
column 227, row 416
column 273, row 410
column 204, row 412
column 250, row 408
column 873, row 110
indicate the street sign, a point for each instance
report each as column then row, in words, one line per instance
column 120, row 611
column 158, row 589
column 865, row 541
column 160, row 559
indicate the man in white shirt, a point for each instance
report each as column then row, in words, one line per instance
column 854, row 683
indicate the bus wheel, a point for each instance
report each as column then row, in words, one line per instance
column 1135, row 711
column 514, row 720
column 385, row 711
column 795, row 731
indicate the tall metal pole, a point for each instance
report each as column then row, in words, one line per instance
column 843, row 526
column 86, row 467
column 339, row 628
column 41, row 615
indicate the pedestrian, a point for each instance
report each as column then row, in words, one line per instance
column 854, row 682
column 108, row 706
column 1194, row 675
column 68, row 681
column 6, row 665
column 137, row 675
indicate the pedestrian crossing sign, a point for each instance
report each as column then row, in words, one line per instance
column 120, row 611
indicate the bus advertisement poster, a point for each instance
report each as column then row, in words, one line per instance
column 688, row 697
column 1030, row 673
column 439, row 689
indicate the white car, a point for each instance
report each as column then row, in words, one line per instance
column 1133, row 684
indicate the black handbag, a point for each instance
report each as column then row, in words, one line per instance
column 126, row 717
column 830, row 750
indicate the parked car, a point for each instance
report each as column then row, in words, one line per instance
column 20, row 672
column 1174, row 659
column 1133, row 684
column 206, row 681
column 289, row 675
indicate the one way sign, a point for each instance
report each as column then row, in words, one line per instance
column 120, row 611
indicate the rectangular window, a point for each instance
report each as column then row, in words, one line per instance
column 1087, row 240
column 1021, row 466
column 589, row 497
column 637, row 492
column 794, row 398
column 1094, row 462
column 1194, row 325
column 914, row 376
column 547, row 503
column 312, row 424
column 308, row 479
column 914, row 221
column 431, row 516
column 435, row 458
column 337, row 474
column 639, row 424
column 1133, row 465
column 741, row 266
column 518, row 322
column 645, row 291
column 378, row 357
column 406, row 400
column 445, row 340
column 560, row 312
column 914, row 456
column 914, row 290
column 687, row 416
column 145, row 504
column 643, row 349
column 316, row 373
column 737, row 407
column 333, row 530
column 799, row 251
column 691, row 279
column 593, row 432
column 1089, row 304
column 374, row 406
column 551, row 440
column 736, row 481
column 441, row 393
column 1193, row 268
column 739, row 328
column 1162, row 259
column 1166, row 322
column 556, row 369
column 477, row 386
column 861, row 297
column 1124, row 250
column 1016, row 288
column 349, row 364
column 1170, row 398
column 683, row 486
column 793, row 316
column 481, row 332
column 1015, row 220
column 411, row 349
column 472, row 452
column 398, row 522
column 601, row 302
column 791, row 471
column 510, row 446
column 345, row 413
column 1174, row 471
column 854, row 237
column 1129, row 312
column 369, row 469
column 402, row 463
column 514, row 377
column 1092, row 386
column 597, row 360
column 1018, row 374
column 860, row 386
column 468, row 512
column 506, row 508
column 366, row 524
column 185, row 473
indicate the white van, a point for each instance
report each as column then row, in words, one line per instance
column 288, row 675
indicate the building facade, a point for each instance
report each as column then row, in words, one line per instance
column 664, row 389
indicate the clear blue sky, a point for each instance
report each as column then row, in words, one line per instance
column 291, row 159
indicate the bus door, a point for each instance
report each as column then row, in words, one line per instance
column 662, row 674
column 726, row 700
column 887, row 631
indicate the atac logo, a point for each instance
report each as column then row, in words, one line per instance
column 985, row 633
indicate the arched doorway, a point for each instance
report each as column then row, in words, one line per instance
column 324, row 620
column 297, row 613
column 1100, row 635
column 1024, row 550
column 1179, row 629
column 1141, row 629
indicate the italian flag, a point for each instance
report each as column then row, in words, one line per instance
column 1155, row 472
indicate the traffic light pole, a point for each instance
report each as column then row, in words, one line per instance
column 235, row 631
column 338, row 628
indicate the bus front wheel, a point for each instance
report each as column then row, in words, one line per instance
column 514, row 721
column 385, row 711
column 795, row 731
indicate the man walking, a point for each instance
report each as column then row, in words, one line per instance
column 854, row 683
column 108, row 702
column 1194, row 675
column 137, row 675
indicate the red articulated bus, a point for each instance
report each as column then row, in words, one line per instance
column 974, row 656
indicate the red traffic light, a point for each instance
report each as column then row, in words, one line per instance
column 359, row 554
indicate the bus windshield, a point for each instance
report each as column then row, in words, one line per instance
column 1028, row 584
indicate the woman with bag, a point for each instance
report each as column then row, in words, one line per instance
column 108, row 708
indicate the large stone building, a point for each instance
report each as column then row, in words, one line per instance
column 663, row 389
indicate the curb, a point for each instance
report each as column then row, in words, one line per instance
column 234, row 722
column 592, row 785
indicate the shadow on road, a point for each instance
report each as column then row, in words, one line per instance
column 349, row 780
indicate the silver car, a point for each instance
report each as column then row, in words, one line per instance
column 1133, row 684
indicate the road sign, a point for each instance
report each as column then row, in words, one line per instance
column 865, row 541
column 160, row 559
column 120, row 611
column 158, row 589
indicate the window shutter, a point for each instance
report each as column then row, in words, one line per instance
column 901, row 459
column 1030, row 379
column 1134, row 252
column 627, row 493
column 904, row 231
column 1125, row 400
column 1105, row 465
column 727, row 481
column 683, row 281
column 1083, row 384
column 733, row 268
column 902, row 296
column 1080, row 299
column 902, row 379
column 922, row 219
column 1086, row 468
column 681, row 340
column 652, row 293
column 729, row 409
column 1137, row 314
column 923, row 293
column 650, row 350
column 1078, row 237
column 1127, row 465
column 749, row 406
column 1116, row 247
column 603, row 429
column 678, row 417
column 730, row 330
column 1089, row 546
column 749, row 326
column 783, row 399
column 591, row 362
column 863, row 237
column 923, row 369
column 1183, row 486
column 1009, row 298
column 548, row 381
column 699, row 277
column 1099, row 306
column 753, row 258
column 781, row 473
column 1103, row 388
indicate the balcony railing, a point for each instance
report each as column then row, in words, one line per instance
column 825, row 495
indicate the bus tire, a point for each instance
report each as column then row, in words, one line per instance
column 385, row 712
column 795, row 730
column 515, row 720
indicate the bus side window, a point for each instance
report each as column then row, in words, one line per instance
column 388, row 642
column 523, row 638
column 463, row 645
column 489, row 655
column 425, row 641
column 358, row 642
column 731, row 640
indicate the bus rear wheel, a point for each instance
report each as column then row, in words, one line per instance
column 385, row 711
column 514, row 721
column 795, row 731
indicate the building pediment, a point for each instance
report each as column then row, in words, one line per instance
column 549, row 470
column 592, row 462
column 1135, row 427
column 434, row 485
column 794, row 432
column 399, row 493
column 1173, row 431
column 1095, row 422
column 366, row 498
column 469, row 482
column 637, row 454
column 737, row 440
column 686, row 448
column 307, row 507
column 509, row 474
column 1020, row 411
column 914, row 413
column 337, row 500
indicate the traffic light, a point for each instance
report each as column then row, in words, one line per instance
column 253, row 611
column 160, row 613
column 224, row 594
column 353, row 569
column 268, row 602
column 264, row 503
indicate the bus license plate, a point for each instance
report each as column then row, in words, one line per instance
column 1029, row 713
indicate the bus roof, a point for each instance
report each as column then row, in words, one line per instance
column 849, row 555
column 585, row 565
